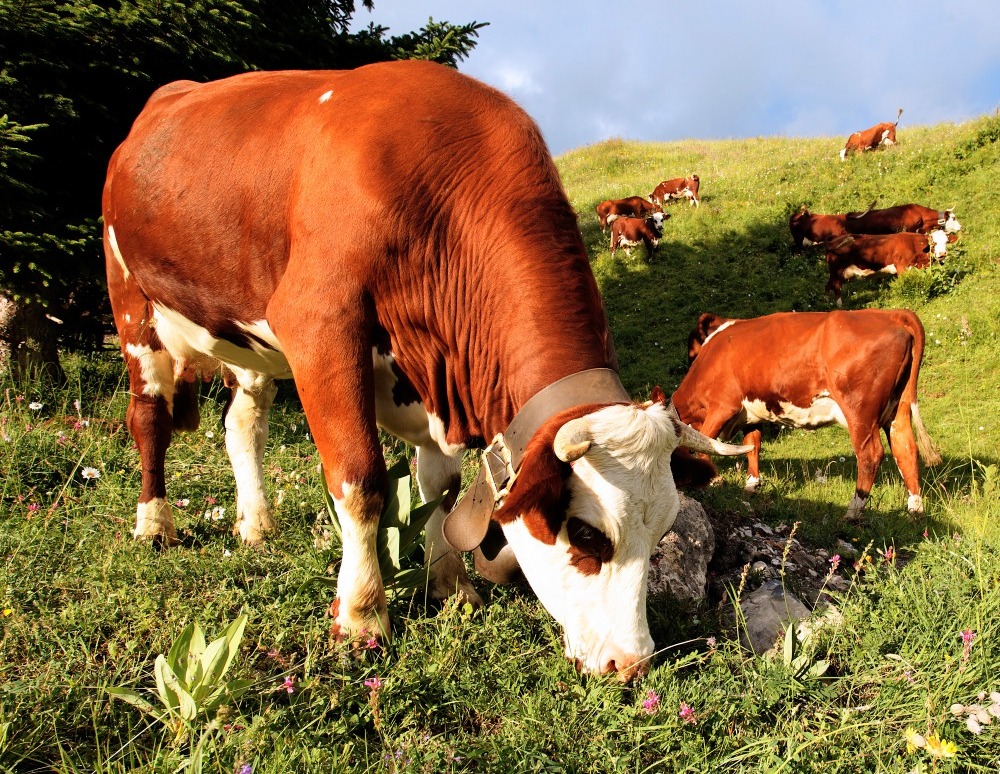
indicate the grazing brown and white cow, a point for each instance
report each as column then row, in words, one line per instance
column 880, row 135
column 862, row 255
column 904, row 217
column 631, row 232
column 811, row 369
column 678, row 188
column 808, row 229
column 447, row 324
column 632, row 207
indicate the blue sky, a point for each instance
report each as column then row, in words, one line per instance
column 588, row 70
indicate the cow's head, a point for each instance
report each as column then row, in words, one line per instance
column 938, row 240
column 708, row 324
column 798, row 223
column 593, row 498
column 951, row 224
column 658, row 218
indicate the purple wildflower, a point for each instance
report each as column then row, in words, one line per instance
column 374, row 684
column 652, row 702
column 687, row 713
column 289, row 684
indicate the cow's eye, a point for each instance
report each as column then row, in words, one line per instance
column 589, row 547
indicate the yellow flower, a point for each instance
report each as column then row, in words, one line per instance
column 940, row 748
column 8, row 611
column 914, row 740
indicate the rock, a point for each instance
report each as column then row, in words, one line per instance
column 679, row 564
column 766, row 612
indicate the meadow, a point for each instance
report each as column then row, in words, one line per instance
column 912, row 659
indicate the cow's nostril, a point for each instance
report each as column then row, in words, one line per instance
column 609, row 667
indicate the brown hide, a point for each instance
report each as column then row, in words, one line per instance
column 867, row 361
column 804, row 225
column 631, row 207
column 871, row 139
column 874, row 253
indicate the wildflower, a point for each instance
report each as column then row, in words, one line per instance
column 373, row 684
column 914, row 741
column 687, row 713
column 968, row 636
column 32, row 507
column 940, row 748
column 182, row 503
column 973, row 725
column 289, row 684
column 35, row 405
column 20, row 399
column 889, row 555
column 246, row 768
column 61, row 438
column 651, row 703
column 210, row 500
column 210, row 434
column 76, row 405
column 711, row 641
column 226, row 553
column 834, row 562
column 8, row 612
column 372, row 642
column 90, row 473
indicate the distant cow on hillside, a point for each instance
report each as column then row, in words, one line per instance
column 873, row 138
column 862, row 255
column 632, row 207
column 631, row 232
column 808, row 370
column 678, row 188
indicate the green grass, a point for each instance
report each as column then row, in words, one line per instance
column 83, row 607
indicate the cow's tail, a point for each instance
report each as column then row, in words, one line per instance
column 897, row 117
column 186, row 414
column 925, row 446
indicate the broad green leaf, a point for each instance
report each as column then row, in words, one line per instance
column 133, row 698
column 196, row 646
column 213, row 664
column 165, row 680
column 177, row 657
column 418, row 518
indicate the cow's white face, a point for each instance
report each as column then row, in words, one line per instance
column 951, row 224
column 658, row 218
column 939, row 243
column 622, row 500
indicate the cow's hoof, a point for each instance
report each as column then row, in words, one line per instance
column 253, row 532
column 357, row 628
column 750, row 487
column 154, row 523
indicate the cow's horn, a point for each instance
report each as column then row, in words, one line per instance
column 573, row 440
column 696, row 441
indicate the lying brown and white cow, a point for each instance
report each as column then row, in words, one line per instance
column 904, row 217
column 632, row 207
column 863, row 255
column 447, row 325
column 883, row 134
column 632, row 232
column 808, row 370
column 678, row 188
column 808, row 229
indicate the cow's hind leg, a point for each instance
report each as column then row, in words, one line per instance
column 868, row 448
column 151, row 392
column 436, row 473
column 246, row 435
column 903, row 448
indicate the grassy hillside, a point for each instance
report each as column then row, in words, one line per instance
column 84, row 608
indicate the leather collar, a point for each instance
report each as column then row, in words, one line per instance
column 465, row 526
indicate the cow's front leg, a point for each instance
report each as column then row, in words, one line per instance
column 246, row 435
column 436, row 473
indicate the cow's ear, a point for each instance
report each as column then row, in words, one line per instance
column 658, row 395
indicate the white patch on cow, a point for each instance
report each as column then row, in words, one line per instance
column 154, row 519
column 939, row 243
column 885, row 139
column 113, row 244
column 751, row 484
column 720, row 329
column 843, row 154
column 246, row 435
column 186, row 340
column 951, row 224
column 915, row 504
column 623, row 487
column 855, row 507
column 157, row 371
column 657, row 220
column 611, row 218
column 325, row 96
column 806, row 242
column 853, row 272
column 821, row 412
column 261, row 330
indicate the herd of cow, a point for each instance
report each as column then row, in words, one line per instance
column 459, row 323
